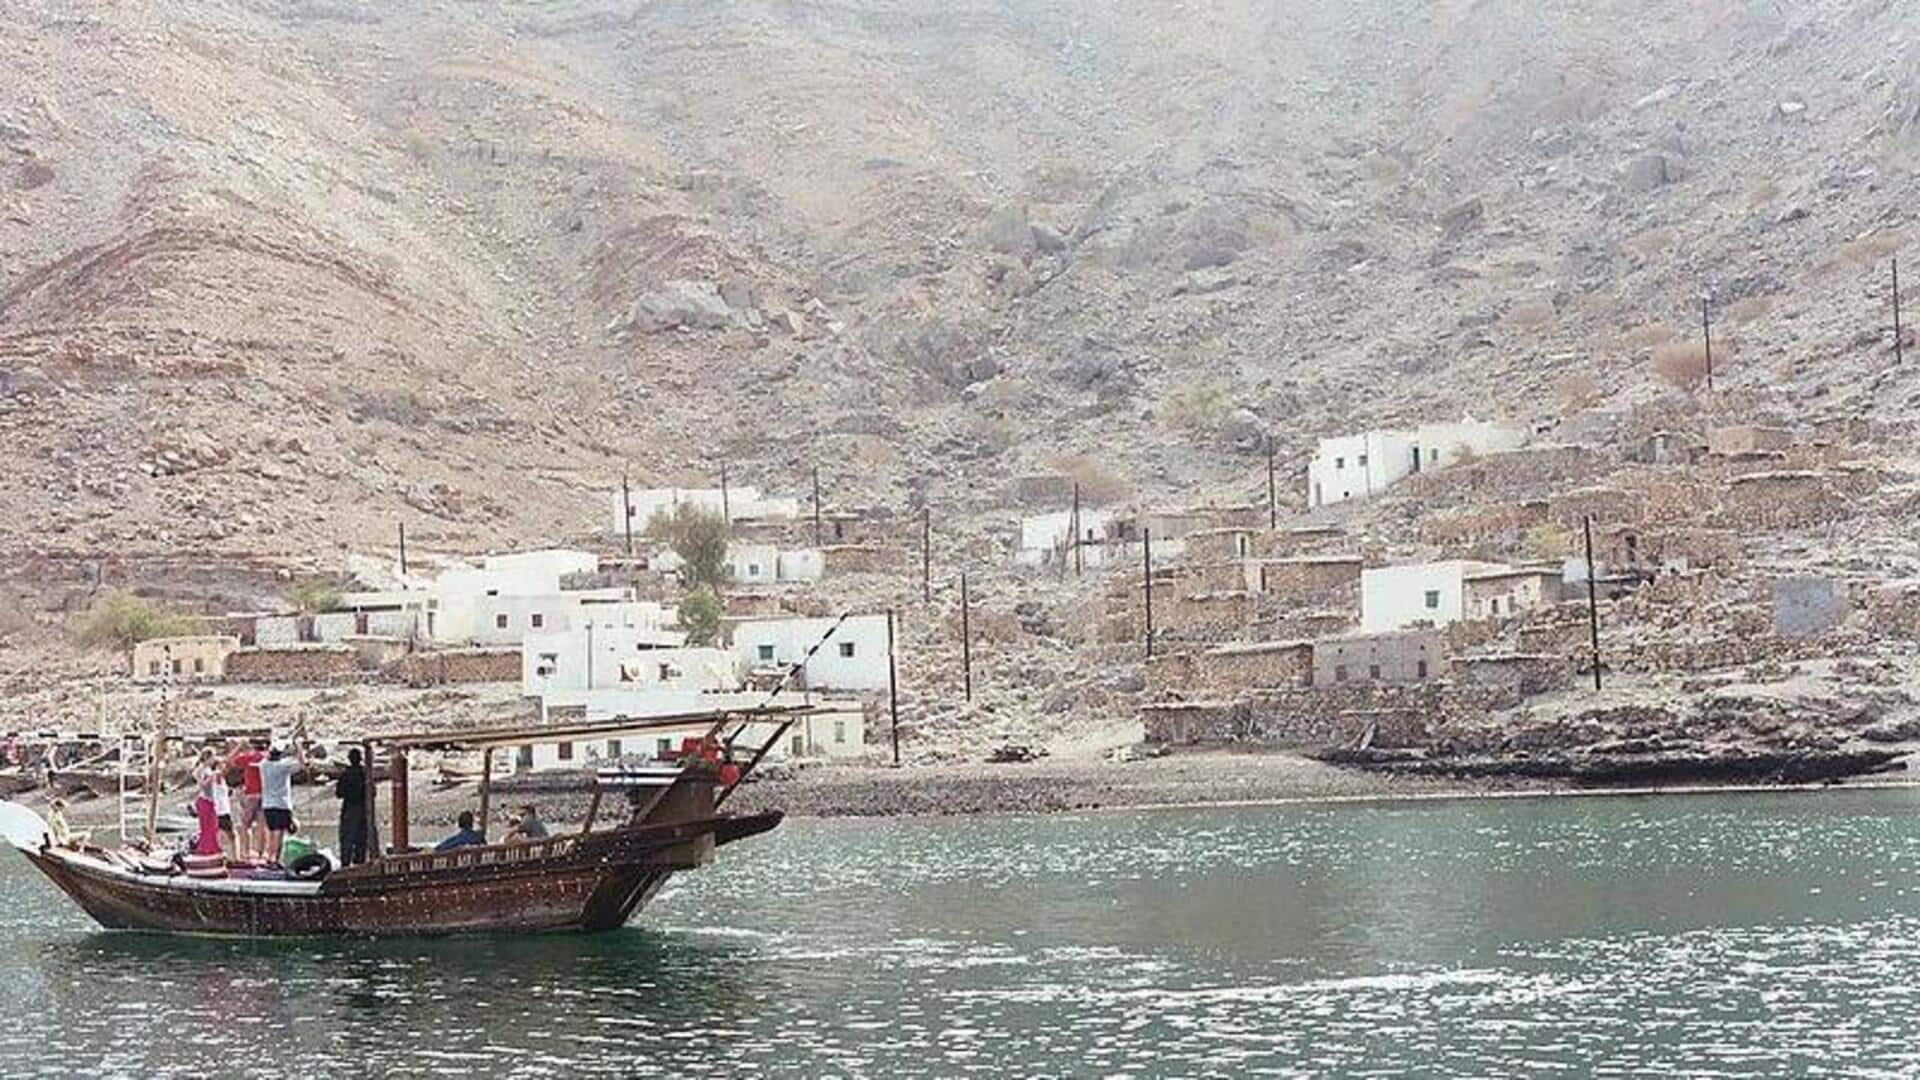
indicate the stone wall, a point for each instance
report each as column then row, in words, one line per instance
column 457, row 666
column 863, row 559
column 1318, row 718
column 1308, row 578
column 1781, row 500
column 1519, row 674
column 303, row 664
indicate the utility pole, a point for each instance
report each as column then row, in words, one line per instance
column 1273, row 490
column 726, row 509
column 1146, row 538
column 966, row 636
column 403, row 554
column 926, row 554
column 816, row 506
column 1078, row 567
column 893, row 691
column 626, row 511
column 1706, row 331
column 1593, row 604
column 1899, row 346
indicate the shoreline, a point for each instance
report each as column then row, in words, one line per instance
column 1218, row 779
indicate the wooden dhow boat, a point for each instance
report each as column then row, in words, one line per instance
column 592, row 879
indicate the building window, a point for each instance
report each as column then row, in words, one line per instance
column 753, row 569
column 1433, row 599
column 564, row 751
column 547, row 664
column 1373, row 672
column 613, row 748
column 1421, row 669
column 1340, row 673
column 1493, row 605
column 500, row 621
column 537, row 620
column 668, row 671
column 153, row 667
column 1361, row 461
column 199, row 666
column 1339, row 463
column 1433, row 454
column 839, row 730
column 176, row 667
column 846, row 650
column 799, row 746
column 765, row 652
column 664, row 748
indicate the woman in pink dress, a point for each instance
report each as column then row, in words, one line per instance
column 205, row 771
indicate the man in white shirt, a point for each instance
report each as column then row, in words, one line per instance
column 276, row 796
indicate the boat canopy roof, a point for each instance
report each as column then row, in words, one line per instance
column 573, row 730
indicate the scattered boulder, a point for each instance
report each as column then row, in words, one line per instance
column 1649, row 172
column 696, row 304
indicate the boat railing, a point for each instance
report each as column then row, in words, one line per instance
column 506, row 853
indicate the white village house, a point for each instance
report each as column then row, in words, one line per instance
column 636, row 509
column 854, row 658
column 1358, row 466
column 496, row 603
column 837, row 732
column 1439, row 593
column 1047, row 539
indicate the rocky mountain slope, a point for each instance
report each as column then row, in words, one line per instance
column 277, row 276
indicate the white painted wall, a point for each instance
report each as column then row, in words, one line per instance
column 802, row 564
column 1396, row 597
column 753, row 564
column 839, row 734
column 624, row 658
column 1357, row 466
column 1044, row 538
column 855, row 658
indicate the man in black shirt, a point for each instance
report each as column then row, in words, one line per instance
column 351, row 790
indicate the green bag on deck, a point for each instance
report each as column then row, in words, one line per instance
column 295, row 848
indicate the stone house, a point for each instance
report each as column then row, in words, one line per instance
column 1509, row 590
column 1748, row 440
column 1404, row 656
column 192, row 658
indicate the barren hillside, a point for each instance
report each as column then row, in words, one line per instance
column 276, row 275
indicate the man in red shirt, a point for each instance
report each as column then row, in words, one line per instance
column 250, row 839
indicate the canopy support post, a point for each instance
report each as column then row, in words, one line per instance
column 399, row 770
column 486, row 787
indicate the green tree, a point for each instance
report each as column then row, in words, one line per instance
column 314, row 595
column 121, row 620
column 700, row 616
column 699, row 537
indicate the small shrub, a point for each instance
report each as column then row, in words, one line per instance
column 700, row 612
column 1684, row 363
column 1201, row 406
column 699, row 537
column 1547, row 541
column 314, row 595
column 1099, row 485
column 1576, row 392
column 121, row 620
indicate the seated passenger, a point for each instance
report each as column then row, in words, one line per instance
column 468, row 836
column 62, row 833
column 528, row 825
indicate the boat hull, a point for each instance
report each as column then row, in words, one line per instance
column 583, row 882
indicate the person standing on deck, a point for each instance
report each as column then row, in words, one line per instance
column 253, row 833
column 205, row 771
column 276, row 796
column 351, row 790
